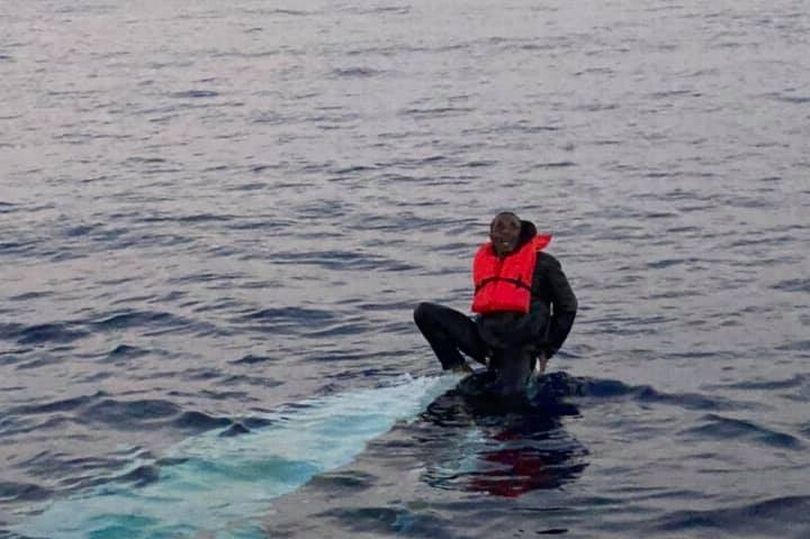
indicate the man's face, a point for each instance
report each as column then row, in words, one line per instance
column 504, row 233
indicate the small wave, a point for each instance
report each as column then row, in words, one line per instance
column 479, row 164
column 251, row 186
column 282, row 11
column 140, row 476
column 669, row 262
column 343, row 260
column 199, row 421
column 203, row 218
column 560, row 385
column 354, row 169
column 659, row 215
column 438, row 111
column 356, row 72
column 351, row 479
column 766, row 385
column 257, row 422
column 261, row 168
column 792, row 99
column 340, row 329
column 136, row 319
column 62, row 405
column 81, row 230
column 250, row 359
column 61, row 333
column 726, row 428
column 793, row 285
column 243, row 54
column 41, row 361
column 242, row 379
column 194, row 94
column 673, row 93
column 382, row 10
column 537, row 128
column 12, row 492
column 26, row 296
column 292, row 314
column 376, row 521
column 597, row 107
column 202, row 374
column 271, row 118
column 553, row 164
column 195, row 218
column 145, row 160
column 795, row 346
column 13, row 356
column 690, row 401
column 289, row 320
column 10, row 330
column 784, row 517
column 205, row 277
column 123, row 351
column 237, row 429
column 127, row 415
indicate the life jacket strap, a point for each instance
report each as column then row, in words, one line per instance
column 516, row 282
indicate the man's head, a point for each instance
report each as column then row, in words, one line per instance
column 504, row 232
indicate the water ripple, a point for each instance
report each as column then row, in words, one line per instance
column 784, row 516
column 725, row 428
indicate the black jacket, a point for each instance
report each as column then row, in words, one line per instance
column 551, row 313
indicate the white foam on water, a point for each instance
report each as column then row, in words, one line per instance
column 223, row 484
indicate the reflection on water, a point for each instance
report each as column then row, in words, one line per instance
column 468, row 466
column 507, row 448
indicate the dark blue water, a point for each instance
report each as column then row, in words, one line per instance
column 215, row 219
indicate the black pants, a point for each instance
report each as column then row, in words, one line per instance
column 450, row 333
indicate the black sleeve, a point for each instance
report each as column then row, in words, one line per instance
column 563, row 302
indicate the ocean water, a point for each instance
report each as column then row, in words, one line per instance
column 216, row 218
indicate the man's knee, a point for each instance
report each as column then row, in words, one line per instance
column 423, row 313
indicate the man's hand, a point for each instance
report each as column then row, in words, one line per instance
column 540, row 366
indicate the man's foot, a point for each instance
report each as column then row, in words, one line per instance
column 462, row 368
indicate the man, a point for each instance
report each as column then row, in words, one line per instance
column 523, row 303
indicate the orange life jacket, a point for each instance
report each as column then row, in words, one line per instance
column 505, row 284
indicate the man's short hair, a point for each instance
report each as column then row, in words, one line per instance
column 500, row 214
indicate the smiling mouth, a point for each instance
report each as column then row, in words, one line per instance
column 505, row 244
